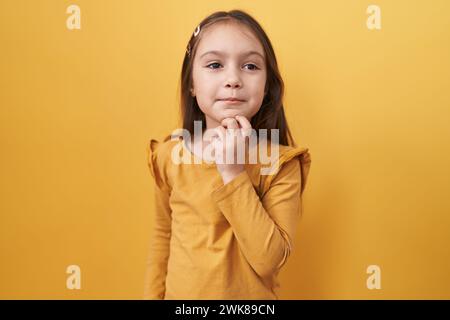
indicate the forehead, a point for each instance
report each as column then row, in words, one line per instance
column 229, row 38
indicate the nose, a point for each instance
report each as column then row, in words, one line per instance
column 233, row 80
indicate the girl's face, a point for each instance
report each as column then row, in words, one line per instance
column 229, row 63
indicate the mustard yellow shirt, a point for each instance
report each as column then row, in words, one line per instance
column 214, row 241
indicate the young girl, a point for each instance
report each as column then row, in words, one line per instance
column 221, row 229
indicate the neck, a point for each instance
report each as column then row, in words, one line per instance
column 211, row 123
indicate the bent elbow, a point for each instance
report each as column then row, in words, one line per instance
column 267, row 267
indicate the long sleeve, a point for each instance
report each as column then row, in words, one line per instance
column 265, row 228
column 159, row 247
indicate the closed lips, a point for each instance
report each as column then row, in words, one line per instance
column 231, row 99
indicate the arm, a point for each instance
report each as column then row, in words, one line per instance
column 264, row 228
column 159, row 247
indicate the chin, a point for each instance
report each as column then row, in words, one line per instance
column 231, row 113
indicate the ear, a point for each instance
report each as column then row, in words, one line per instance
column 192, row 92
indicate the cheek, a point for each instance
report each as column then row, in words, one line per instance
column 256, row 85
column 200, row 79
column 205, row 97
column 204, row 91
column 205, row 86
column 257, row 95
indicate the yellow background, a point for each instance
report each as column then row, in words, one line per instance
column 79, row 106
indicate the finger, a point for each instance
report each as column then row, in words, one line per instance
column 243, row 121
column 210, row 134
column 245, row 124
column 232, row 126
column 220, row 132
column 219, row 142
column 230, row 123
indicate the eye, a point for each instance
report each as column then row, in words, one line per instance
column 213, row 65
column 252, row 66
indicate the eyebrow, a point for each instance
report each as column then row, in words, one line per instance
column 219, row 53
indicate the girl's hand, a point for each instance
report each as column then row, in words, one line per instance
column 229, row 137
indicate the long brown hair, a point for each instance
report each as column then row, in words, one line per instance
column 271, row 114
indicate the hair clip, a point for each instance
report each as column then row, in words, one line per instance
column 197, row 31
